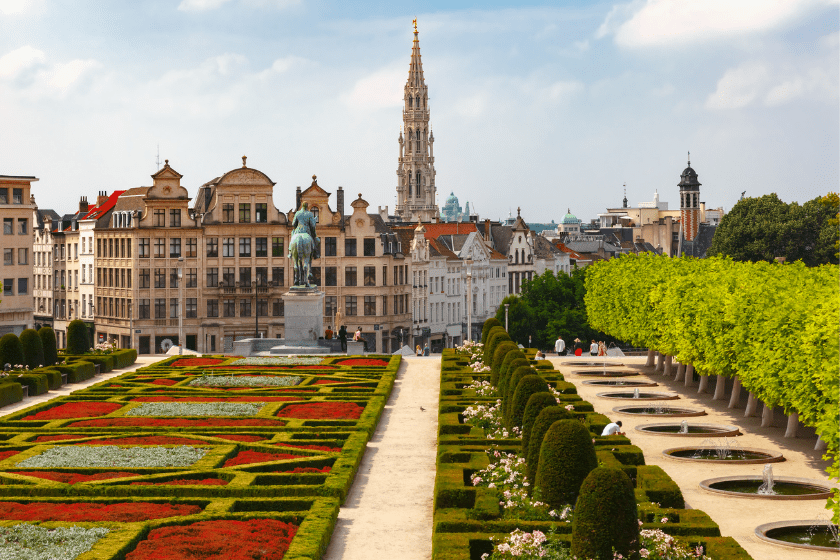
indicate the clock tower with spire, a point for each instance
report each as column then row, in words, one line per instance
column 416, row 191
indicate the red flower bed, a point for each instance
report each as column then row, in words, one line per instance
column 7, row 454
column 144, row 440
column 245, row 457
column 215, row 399
column 322, row 410
column 310, row 367
column 239, row 437
column 189, row 362
column 184, row 482
column 59, row 437
column 76, row 410
column 116, row 387
column 73, row 478
column 81, row 511
column 329, row 381
column 325, row 469
column 315, row 447
column 122, row 422
column 241, row 367
column 166, row 382
column 363, row 362
column 267, row 539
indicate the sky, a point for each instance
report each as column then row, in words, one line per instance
column 547, row 106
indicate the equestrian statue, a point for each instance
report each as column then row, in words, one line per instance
column 303, row 246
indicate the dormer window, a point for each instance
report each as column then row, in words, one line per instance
column 316, row 212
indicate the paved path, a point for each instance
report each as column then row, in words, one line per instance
column 388, row 512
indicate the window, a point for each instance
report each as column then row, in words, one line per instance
column 98, row 249
column 261, row 213
column 244, row 246
column 395, row 276
column 229, row 308
column 397, row 300
column 261, row 247
column 144, row 248
column 191, row 311
column 22, row 227
column 370, row 247
column 228, row 245
column 23, row 286
column 227, row 212
column 401, row 275
column 4, row 195
column 160, row 278
column 8, row 283
column 262, row 307
column 277, row 275
column 17, row 196
column 8, row 257
column 244, row 307
column 212, row 246
column 160, row 308
column 212, row 277
column 192, row 278
column 229, row 276
column 212, row 308
column 350, row 306
column 8, row 226
column 160, row 218
column 370, row 305
column 262, row 276
column 173, row 277
column 160, row 248
column 245, row 277
column 145, row 278
column 143, row 309
column 349, row 247
column 110, row 249
column 330, row 305
column 244, row 213
column 316, row 275
column 277, row 247
column 175, row 247
column 174, row 217
column 277, row 308
column 350, row 276
column 329, row 247
column 192, row 247
column 370, row 276
column 384, row 305
column 173, row 308
column 385, row 275
column 330, row 276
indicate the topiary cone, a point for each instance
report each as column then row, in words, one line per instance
column 33, row 349
column 536, row 403
column 47, row 336
column 499, row 354
column 506, row 391
column 545, row 419
column 515, row 363
column 496, row 336
column 567, row 456
column 509, row 357
column 11, row 350
column 488, row 324
column 527, row 386
column 77, row 337
column 605, row 516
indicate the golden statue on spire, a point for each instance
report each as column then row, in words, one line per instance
column 415, row 25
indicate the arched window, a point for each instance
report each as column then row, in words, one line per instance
column 408, row 180
column 418, row 139
column 410, row 101
column 516, row 257
column 418, row 183
column 408, row 143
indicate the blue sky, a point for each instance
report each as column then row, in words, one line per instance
column 546, row 106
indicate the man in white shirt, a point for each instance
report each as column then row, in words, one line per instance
column 559, row 345
column 593, row 349
column 613, row 429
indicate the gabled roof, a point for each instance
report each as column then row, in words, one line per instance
column 435, row 230
column 99, row 211
column 442, row 250
column 572, row 254
column 543, row 249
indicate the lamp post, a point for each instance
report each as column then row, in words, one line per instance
column 507, row 306
column 180, row 305
column 469, row 301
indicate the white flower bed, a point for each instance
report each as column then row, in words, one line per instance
column 74, row 456
column 245, row 381
column 279, row 361
column 196, row 409
column 31, row 542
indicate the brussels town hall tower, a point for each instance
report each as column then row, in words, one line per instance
column 416, row 191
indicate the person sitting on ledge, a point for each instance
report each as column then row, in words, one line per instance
column 613, row 429
column 328, row 334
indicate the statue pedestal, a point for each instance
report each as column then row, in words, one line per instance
column 304, row 312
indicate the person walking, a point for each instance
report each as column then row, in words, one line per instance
column 342, row 336
column 578, row 347
column 559, row 345
column 602, row 350
column 593, row 349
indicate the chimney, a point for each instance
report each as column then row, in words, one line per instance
column 83, row 205
column 297, row 199
column 103, row 196
column 339, row 205
column 487, row 230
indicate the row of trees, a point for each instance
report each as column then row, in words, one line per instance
column 773, row 326
column 32, row 349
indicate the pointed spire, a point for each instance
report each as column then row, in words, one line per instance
column 689, row 159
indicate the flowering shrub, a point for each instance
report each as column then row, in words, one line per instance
column 103, row 348
column 7, row 454
column 315, row 447
column 483, row 389
column 322, row 410
column 74, row 478
column 185, row 482
column 489, row 418
column 167, row 382
column 278, row 361
column 91, row 511
column 363, row 362
column 126, row 422
column 196, row 409
column 656, row 545
column 40, row 543
column 245, row 457
column 85, row 409
column 245, row 381
column 113, row 456
column 267, row 539
column 324, row 469
column 189, row 362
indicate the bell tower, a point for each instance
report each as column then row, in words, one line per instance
column 689, row 202
column 416, row 191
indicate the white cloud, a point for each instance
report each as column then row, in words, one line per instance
column 283, row 65
column 11, row 7
column 669, row 22
column 63, row 76
column 757, row 83
column 739, row 87
column 200, row 5
column 12, row 64
column 379, row 90
column 561, row 91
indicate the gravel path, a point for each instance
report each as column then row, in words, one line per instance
column 388, row 512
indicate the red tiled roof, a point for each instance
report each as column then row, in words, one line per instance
column 573, row 254
column 97, row 211
column 433, row 231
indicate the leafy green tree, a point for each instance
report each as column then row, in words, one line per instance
column 77, row 337
column 48, row 341
column 11, row 350
column 33, row 348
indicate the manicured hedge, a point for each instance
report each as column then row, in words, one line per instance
column 33, row 349
column 10, row 392
column 48, row 343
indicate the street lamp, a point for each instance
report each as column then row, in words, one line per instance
column 469, row 302
column 507, row 305
column 180, row 306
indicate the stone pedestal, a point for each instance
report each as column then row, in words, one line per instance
column 304, row 312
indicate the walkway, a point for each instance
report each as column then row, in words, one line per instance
column 388, row 512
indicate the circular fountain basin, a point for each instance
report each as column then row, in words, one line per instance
column 619, row 383
column 643, row 396
column 619, row 373
column 785, row 488
column 810, row 535
column 694, row 430
column 592, row 364
column 664, row 411
column 738, row 456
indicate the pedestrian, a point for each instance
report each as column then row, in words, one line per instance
column 578, row 347
column 328, row 334
column 426, row 350
column 613, row 429
column 342, row 336
column 602, row 350
column 559, row 345
column 358, row 335
column 593, row 348
column 418, row 351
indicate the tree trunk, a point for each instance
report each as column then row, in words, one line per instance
column 720, row 389
column 667, row 371
column 660, row 361
column 752, row 404
column 689, row 375
column 735, row 399
column 767, row 416
column 792, row 424
column 704, row 384
column 680, row 372
column 820, row 445
column 651, row 358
